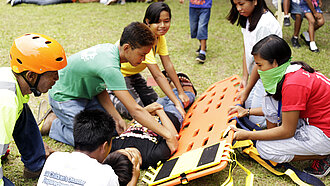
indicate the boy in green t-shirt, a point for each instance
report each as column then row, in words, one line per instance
column 82, row 85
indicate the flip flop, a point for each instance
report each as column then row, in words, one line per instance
column 180, row 74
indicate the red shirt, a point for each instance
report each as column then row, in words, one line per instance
column 310, row 94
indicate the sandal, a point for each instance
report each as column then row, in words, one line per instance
column 180, row 74
column 43, row 112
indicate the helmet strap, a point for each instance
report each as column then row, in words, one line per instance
column 33, row 88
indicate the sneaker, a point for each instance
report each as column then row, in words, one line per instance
column 15, row 2
column 295, row 42
column 201, row 58
column 305, row 37
column 287, row 21
column 319, row 168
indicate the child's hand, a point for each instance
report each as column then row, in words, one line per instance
column 239, row 134
column 172, row 143
column 181, row 110
column 121, row 126
column 318, row 15
column 152, row 108
column 185, row 99
column 241, row 112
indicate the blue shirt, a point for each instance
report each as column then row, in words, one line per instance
column 200, row 3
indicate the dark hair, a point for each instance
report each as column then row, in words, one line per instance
column 91, row 129
column 153, row 12
column 122, row 166
column 137, row 35
column 259, row 9
column 273, row 48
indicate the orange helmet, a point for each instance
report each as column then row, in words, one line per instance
column 37, row 53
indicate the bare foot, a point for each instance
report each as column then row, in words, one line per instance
column 48, row 150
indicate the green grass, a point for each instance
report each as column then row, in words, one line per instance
column 79, row 26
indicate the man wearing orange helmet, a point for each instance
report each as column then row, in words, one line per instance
column 35, row 60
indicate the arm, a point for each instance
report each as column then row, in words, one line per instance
column 144, row 118
column 136, row 173
column 252, row 81
column 245, row 112
column 168, row 65
column 167, row 123
column 165, row 86
column 286, row 130
column 106, row 103
column 245, row 71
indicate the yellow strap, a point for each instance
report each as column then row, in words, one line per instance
column 295, row 178
column 289, row 172
column 229, row 181
column 244, row 143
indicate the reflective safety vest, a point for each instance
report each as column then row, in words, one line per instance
column 11, row 106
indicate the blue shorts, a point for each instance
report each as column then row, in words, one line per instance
column 199, row 20
column 295, row 9
column 304, row 7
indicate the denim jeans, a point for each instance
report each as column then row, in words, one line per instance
column 7, row 182
column 142, row 94
column 28, row 140
column 199, row 20
column 169, row 106
column 62, row 127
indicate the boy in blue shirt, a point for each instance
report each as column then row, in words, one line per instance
column 199, row 16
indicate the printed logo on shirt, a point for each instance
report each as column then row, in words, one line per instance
column 88, row 55
column 101, row 87
column 197, row 2
column 53, row 178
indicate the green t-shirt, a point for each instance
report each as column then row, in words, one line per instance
column 88, row 73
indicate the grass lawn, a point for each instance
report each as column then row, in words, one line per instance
column 79, row 26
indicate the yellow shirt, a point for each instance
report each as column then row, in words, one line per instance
column 161, row 49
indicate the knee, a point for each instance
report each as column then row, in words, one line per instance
column 311, row 22
column 320, row 22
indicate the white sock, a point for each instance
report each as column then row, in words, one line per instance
column 296, row 37
column 286, row 16
column 306, row 34
column 202, row 52
column 312, row 45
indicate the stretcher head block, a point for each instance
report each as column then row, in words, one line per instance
column 202, row 147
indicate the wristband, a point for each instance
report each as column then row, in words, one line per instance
column 248, row 113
